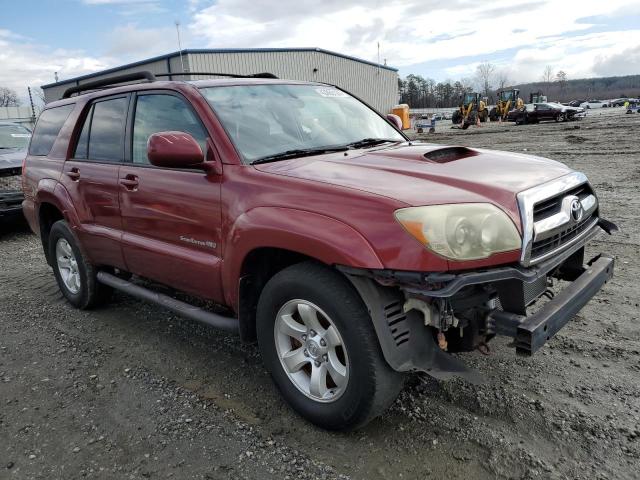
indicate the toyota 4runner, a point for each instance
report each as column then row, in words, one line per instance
column 350, row 253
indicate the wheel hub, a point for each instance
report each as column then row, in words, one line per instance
column 314, row 349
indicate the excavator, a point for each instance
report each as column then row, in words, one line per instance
column 507, row 99
column 472, row 107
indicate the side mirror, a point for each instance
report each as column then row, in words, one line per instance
column 174, row 150
column 395, row 120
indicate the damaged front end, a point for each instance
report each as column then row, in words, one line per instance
column 420, row 317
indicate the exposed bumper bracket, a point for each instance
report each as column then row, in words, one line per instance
column 533, row 332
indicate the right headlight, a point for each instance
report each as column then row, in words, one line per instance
column 462, row 231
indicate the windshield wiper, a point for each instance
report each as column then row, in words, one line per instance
column 298, row 152
column 369, row 142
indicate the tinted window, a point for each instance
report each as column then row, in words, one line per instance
column 162, row 113
column 106, row 138
column 47, row 129
column 83, row 142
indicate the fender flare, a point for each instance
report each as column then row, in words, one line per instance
column 51, row 192
column 324, row 238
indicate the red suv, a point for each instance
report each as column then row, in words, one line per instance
column 350, row 253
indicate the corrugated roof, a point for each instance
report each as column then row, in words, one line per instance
column 214, row 50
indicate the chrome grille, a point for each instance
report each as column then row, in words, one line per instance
column 551, row 206
column 543, row 247
column 556, row 215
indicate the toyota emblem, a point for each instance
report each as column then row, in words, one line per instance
column 576, row 210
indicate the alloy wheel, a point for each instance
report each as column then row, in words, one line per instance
column 311, row 350
column 67, row 266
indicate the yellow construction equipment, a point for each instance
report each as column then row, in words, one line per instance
column 472, row 108
column 507, row 100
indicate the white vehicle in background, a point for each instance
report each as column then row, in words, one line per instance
column 594, row 104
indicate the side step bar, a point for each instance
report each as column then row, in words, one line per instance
column 181, row 308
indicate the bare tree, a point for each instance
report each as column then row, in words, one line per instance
column 547, row 75
column 8, row 98
column 485, row 72
column 502, row 79
column 561, row 78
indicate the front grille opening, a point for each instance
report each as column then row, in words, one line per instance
column 551, row 206
column 547, row 245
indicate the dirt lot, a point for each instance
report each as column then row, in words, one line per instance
column 134, row 392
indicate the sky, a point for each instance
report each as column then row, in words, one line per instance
column 439, row 39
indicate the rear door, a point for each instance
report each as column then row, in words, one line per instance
column 91, row 178
column 171, row 217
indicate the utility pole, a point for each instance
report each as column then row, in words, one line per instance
column 180, row 45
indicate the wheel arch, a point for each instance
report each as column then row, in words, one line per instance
column 266, row 240
column 53, row 204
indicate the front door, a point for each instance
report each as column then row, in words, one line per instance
column 91, row 178
column 171, row 217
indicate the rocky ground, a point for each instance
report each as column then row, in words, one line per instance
column 131, row 391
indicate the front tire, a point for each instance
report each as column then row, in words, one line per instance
column 76, row 277
column 317, row 340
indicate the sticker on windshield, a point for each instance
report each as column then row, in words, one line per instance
column 21, row 135
column 331, row 92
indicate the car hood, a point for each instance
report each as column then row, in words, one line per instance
column 12, row 158
column 425, row 174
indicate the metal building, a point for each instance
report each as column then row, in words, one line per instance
column 375, row 84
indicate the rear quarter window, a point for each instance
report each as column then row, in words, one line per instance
column 47, row 129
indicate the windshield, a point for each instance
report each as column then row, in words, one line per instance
column 266, row 120
column 14, row 137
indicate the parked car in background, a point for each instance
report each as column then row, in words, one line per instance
column 574, row 103
column 540, row 112
column 14, row 140
column 594, row 104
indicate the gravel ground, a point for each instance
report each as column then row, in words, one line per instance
column 131, row 391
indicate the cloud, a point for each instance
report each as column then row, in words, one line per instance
column 626, row 62
column 134, row 43
column 410, row 32
column 24, row 63
column 520, row 36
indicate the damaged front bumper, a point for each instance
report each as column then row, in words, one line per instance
column 533, row 332
column 409, row 309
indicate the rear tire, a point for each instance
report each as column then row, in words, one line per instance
column 76, row 277
column 342, row 342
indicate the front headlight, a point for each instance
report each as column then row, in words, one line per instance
column 463, row 231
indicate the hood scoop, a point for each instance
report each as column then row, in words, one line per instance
column 449, row 154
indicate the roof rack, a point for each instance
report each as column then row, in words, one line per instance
column 129, row 77
column 230, row 75
column 150, row 77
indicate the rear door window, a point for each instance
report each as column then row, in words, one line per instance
column 106, row 132
column 47, row 129
column 162, row 113
column 82, row 148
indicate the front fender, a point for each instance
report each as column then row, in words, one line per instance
column 314, row 235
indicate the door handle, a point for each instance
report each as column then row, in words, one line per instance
column 130, row 182
column 74, row 174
